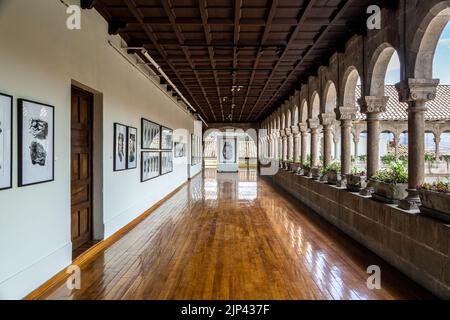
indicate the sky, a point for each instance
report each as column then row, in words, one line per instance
column 441, row 65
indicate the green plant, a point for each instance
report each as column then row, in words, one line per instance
column 437, row 186
column 353, row 159
column 446, row 158
column 430, row 158
column 308, row 159
column 333, row 167
column 396, row 173
column 363, row 158
column 388, row 159
column 355, row 172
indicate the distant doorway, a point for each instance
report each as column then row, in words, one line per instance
column 81, row 171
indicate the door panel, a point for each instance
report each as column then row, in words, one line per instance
column 81, row 168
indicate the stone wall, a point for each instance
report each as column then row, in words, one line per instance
column 415, row 244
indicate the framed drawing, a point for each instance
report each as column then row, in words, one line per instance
column 120, row 134
column 131, row 148
column 193, row 150
column 150, row 135
column 166, row 162
column 180, row 150
column 227, row 150
column 150, row 165
column 166, row 138
column 6, row 124
column 36, row 142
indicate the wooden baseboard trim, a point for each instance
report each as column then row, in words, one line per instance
column 98, row 248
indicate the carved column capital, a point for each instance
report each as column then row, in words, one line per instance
column 287, row 131
column 327, row 120
column 373, row 105
column 295, row 130
column 417, row 90
column 303, row 127
column 313, row 124
column 346, row 113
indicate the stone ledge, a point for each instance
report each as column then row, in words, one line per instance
column 415, row 244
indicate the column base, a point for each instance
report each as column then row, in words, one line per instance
column 411, row 202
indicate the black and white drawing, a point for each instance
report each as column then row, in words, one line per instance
column 36, row 142
column 150, row 135
column 227, row 150
column 150, row 165
column 120, row 145
column 5, row 141
column 131, row 148
column 180, row 150
column 166, row 138
column 166, row 162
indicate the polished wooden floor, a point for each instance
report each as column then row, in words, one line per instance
column 235, row 236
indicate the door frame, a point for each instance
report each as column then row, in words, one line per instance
column 98, row 231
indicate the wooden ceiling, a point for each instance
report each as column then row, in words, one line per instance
column 235, row 60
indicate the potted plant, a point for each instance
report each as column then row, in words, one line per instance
column 435, row 198
column 390, row 184
column 332, row 172
column 388, row 159
column 307, row 170
column 316, row 172
column 356, row 180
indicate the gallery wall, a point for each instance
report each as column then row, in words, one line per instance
column 39, row 60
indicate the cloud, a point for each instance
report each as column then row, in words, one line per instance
column 394, row 64
column 445, row 42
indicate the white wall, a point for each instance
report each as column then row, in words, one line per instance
column 39, row 59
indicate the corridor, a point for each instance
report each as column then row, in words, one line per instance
column 234, row 236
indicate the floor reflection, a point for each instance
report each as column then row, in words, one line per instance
column 234, row 236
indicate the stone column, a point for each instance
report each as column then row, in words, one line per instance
column 295, row 134
column 288, row 149
column 346, row 115
column 356, row 142
column 336, row 146
column 314, row 128
column 304, row 142
column 327, row 120
column 283, row 146
column 396, row 143
column 372, row 107
column 416, row 92
column 437, row 141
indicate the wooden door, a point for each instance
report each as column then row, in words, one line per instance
column 81, row 193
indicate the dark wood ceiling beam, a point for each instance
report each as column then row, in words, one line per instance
column 301, row 21
column 131, row 4
column 237, row 30
column 167, row 4
column 268, row 26
column 208, row 37
column 337, row 15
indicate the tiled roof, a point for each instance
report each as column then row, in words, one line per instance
column 438, row 109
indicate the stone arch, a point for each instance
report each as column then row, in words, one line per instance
column 330, row 97
column 288, row 123
column 295, row 118
column 315, row 106
column 378, row 69
column 425, row 42
column 303, row 111
column 350, row 82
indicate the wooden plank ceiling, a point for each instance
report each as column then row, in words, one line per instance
column 235, row 60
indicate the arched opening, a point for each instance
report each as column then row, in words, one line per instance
column 351, row 94
column 387, row 148
column 386, row 70
column 296, row 116
column 246, row 151
column 428, row 45
column 331, row 97
column 315, row 106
